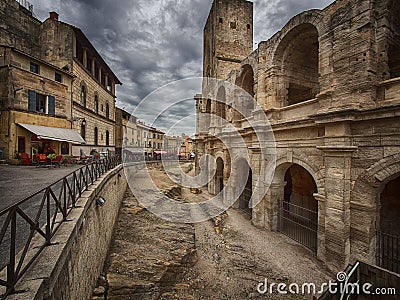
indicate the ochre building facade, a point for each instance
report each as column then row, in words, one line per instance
column 329, row 83
column 53, row 66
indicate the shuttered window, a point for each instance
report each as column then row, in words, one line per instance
column 41, row 103
column 31, row 101
column 51, row 105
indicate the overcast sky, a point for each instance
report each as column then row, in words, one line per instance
column 150, row 43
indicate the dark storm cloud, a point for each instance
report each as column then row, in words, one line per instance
column 149, row 43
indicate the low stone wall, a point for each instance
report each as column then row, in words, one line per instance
column 68, row 268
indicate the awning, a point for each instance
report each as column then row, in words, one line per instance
column 160, row 152
column 55, row 134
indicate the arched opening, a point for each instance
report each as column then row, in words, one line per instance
column 246, row 82
column 298, row 57
column 394, row 41
column 221, row 101
column 298, row 210
column 244, row 170
column 394, row 60
column 83, row 130
column 96, row 104
column 96, row 136
column 107, row 138
column 219, row 176
column 83, row 95
column 388, row 239
column 107, row 110
column 208, row 114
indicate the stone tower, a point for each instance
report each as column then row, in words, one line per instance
column 228, row 37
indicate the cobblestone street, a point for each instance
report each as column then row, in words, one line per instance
column 223, row 258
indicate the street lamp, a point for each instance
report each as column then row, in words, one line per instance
column 78, row 119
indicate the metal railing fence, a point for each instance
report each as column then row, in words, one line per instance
column 31, row 223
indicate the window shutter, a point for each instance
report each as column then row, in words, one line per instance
column 52, row 105
column 31, row 100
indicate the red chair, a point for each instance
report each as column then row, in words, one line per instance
column 26, row 160
column 57, row 161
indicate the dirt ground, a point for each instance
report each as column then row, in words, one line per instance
column 227, row 261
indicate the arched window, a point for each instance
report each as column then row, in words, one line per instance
column 96, row 136
column 107, row 111
column 83, row 95
column 83, row 130
column 298, row 59
column 107, row 138
column 96, row 104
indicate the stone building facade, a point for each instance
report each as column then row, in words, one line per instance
column 80, row 69
column 329, row 83
column 29, row 94
column 93, row 90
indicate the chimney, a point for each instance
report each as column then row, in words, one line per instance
column 54, row 15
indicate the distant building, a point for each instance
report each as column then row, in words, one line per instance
column 156, row 140
column 143, row 133
column 186, row 149
column 125, row 130
column 172, row 145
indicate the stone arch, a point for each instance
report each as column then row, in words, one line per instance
column 302, row 161
column 213, row 167
column 274, row 199
column 244, row 195
column 372, row 181
column 312, row 17
column 297, row 61
column 285, row 86
column 365, row 204
column 246, row 81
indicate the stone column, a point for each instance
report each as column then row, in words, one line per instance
column 321, row 227
column 337, row 161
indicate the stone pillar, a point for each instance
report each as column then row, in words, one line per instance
column 257, row 187
column 321, row 227
column 272, row 200
column 337, row 161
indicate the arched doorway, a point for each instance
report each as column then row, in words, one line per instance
column 388, row 237
column 244, row 199
column 298, row 210
column 219, row 176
